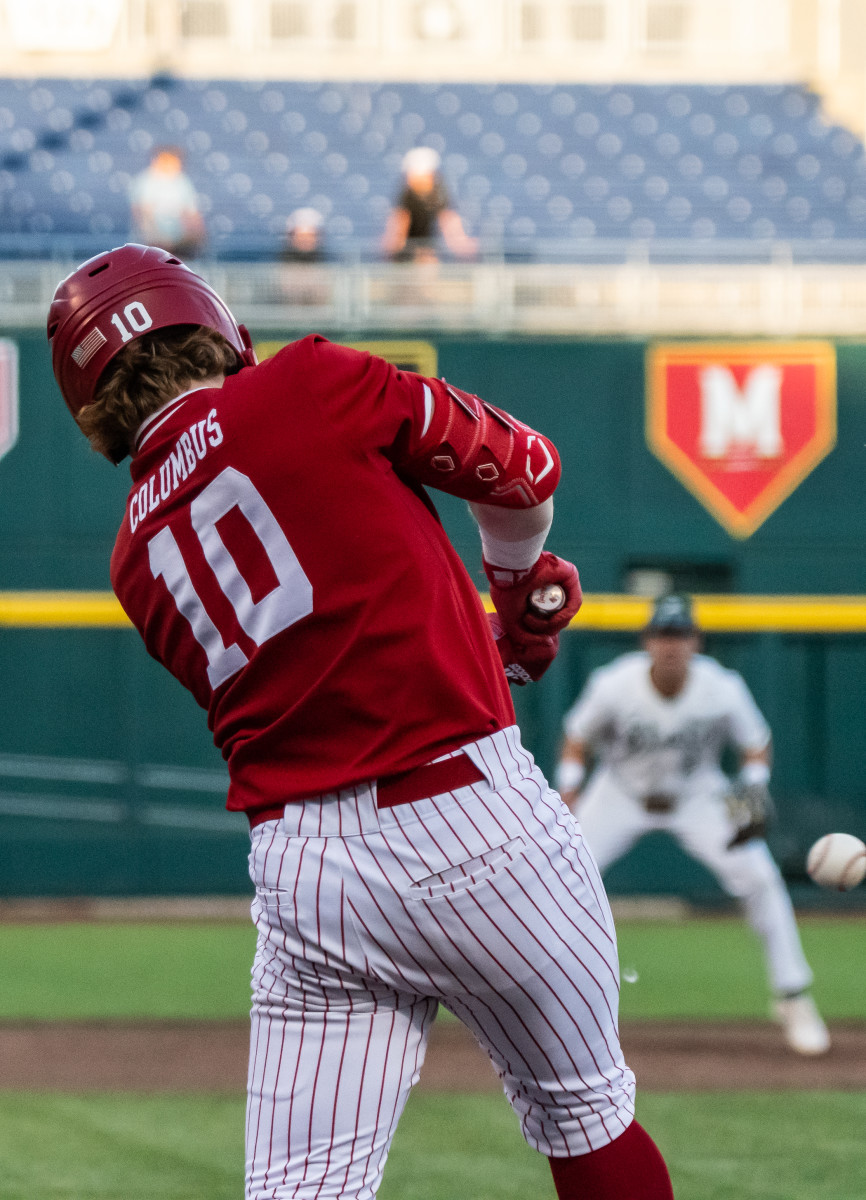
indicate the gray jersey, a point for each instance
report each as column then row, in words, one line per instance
column 652, row 744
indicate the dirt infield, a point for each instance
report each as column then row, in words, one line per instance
column 185, row 1055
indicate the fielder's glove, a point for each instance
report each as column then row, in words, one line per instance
column 510, row 592
column 751, row 810
column 523, row 662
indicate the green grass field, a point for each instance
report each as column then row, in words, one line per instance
column 710, row 969
column 714, row 969
column 74, row 971
column 731, row 1146
column 724, row 1146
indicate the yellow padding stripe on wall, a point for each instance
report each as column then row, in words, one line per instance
column 736, row 614
column 722, row 614
column 731, row 614
column 62, row 609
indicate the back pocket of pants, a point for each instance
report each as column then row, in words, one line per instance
column 467, row 874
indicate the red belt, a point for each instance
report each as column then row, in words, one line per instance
column 431, row 779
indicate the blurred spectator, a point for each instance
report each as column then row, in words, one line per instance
column 164, row 205
column 300, row 280
column 303, row 242
column 422, row 209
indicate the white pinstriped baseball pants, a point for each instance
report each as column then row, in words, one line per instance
column 486, row 900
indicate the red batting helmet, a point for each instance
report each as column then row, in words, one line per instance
column 115, row 297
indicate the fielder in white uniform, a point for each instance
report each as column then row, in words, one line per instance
column 657, row 721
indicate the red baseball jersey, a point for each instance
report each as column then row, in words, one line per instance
column 277, row 561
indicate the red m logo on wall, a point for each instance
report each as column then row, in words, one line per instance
column 8, row 395
column 741, row 425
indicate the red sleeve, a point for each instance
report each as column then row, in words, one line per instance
column 469, row 448
column 365, row 399
column 434, row 434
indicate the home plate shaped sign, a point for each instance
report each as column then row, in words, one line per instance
column 741, row 424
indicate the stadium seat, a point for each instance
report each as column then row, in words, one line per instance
column 547, row 171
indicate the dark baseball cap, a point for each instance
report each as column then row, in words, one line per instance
column 672, row 614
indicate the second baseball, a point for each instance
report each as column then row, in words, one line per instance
column 837, row 860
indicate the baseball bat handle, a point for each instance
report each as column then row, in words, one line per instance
column 545, row 601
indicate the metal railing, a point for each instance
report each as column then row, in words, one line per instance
column 628, row 298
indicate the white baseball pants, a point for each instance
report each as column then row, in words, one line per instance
column 612, row 821
column 485, row 900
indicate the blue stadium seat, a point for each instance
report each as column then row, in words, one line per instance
column 534, row 169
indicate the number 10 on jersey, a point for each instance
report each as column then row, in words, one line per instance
column 285, row 604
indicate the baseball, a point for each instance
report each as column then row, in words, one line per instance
column 837, row 860
column 548, row 599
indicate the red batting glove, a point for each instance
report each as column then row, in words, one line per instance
column 523, row 663
column 510, row 592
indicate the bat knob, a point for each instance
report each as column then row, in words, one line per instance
column 547, row 600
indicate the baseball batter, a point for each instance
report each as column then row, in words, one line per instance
column 280, row 555
column 658, row 721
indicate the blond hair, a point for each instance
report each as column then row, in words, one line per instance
column 146, row 374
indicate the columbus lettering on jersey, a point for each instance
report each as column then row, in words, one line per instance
column 189, row 450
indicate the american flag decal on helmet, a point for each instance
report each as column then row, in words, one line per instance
column 85, row 350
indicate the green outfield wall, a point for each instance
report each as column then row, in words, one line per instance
column 109, row 783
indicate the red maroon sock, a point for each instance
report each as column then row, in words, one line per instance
column 629, row 1168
